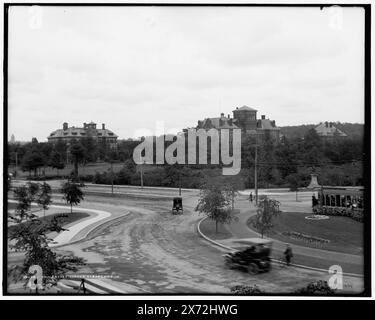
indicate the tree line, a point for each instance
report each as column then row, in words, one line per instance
column 336, row 161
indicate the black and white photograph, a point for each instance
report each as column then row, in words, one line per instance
column 186, row 150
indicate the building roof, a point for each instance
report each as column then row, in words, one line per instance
column 217, row 123
column 266, row 124
column 245, row 108
column 327, row 129
column 74, row 132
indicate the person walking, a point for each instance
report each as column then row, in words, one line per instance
column 251, row 197
column 288, row 254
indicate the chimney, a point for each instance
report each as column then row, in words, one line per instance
column 326, row 124
column 84, row 125
column 273, row 123
column 103, row 126
column 65, row 126
column 263, row 117
column 228, row 116
column 222, row 115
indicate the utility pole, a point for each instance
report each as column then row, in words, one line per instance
column 256, row 173
column 179, row 182
column 141, row 173
column 15, row 173
column 112, row 176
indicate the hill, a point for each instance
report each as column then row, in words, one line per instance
column 353, row 130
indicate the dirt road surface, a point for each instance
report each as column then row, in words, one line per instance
column 158, row 252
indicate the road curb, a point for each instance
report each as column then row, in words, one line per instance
column 274, row 260
column 111, row 220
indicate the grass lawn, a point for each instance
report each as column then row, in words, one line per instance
column 345, row 235
column 63, row 218
column 208, row 229
column 88, row 169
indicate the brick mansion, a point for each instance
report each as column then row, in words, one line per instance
column 244, row 118
column 67, row 134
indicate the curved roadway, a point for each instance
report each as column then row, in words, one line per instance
column 162, row 253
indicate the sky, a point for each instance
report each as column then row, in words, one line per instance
column 134, row 68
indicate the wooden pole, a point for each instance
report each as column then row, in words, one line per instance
column 179, row 182
column 112, row 178
column 142, row 175
column 256, row 174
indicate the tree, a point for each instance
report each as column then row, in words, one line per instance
column 231, row 187
column 28, row 193
column 72, row 193
column 214, row 202
column 33, row 189
column 61, row 147
column 31, row 237
column 23, row 198
column 44, row 197
column 32, row 160
column 90, row 146
column 266, row 211
column 127, row 172
column 57, row 161
column 46, row 151
column 78, row 153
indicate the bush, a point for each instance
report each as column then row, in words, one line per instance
column 246, row 290
column 355, row 214
column 49, row 177
column 316, row 288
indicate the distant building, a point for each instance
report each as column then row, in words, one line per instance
column 328, row 130
column 68, row 134
column 244, row 118
column 267, row 128
column 12, row 139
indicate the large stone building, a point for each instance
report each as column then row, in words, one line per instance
column 68, row 134
column 327, row 130
column 244, row 118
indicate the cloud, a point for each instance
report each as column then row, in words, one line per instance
column 179, row 65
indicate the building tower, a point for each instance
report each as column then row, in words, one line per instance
column 246, row 118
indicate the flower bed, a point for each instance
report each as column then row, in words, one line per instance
column 305, row 237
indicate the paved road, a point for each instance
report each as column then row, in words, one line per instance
column 162, row 253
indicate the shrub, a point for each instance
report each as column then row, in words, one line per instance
column 316, row 288
column 355, row 214
column 246, row 290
